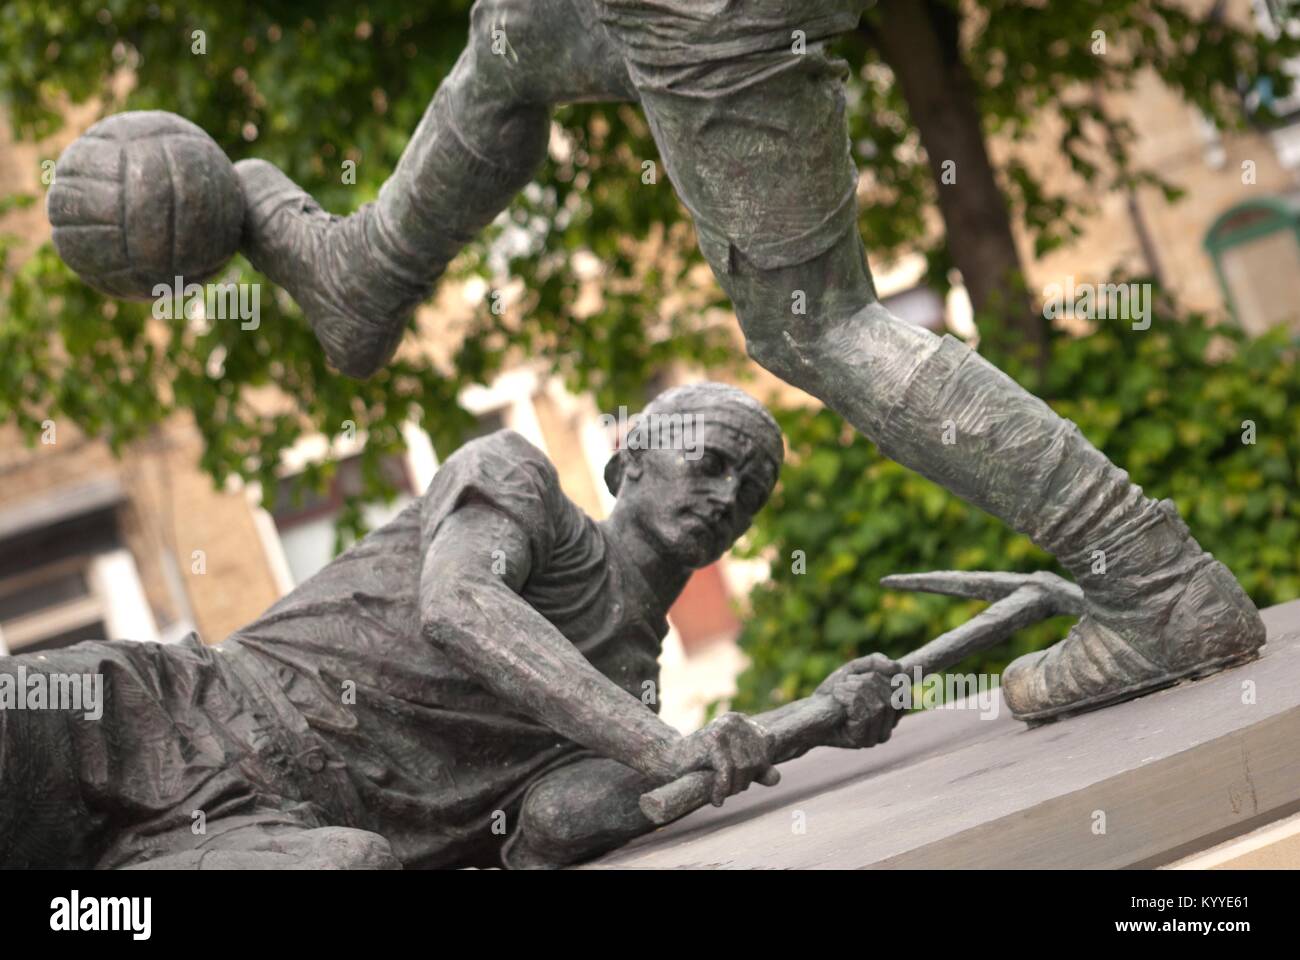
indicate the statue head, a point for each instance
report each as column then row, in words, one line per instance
column 697, row 463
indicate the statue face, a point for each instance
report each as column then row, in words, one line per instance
column 694, row 503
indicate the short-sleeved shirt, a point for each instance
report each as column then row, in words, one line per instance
column 436, row 758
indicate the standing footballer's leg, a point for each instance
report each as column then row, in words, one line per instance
column 482, row 139
column 752, row 132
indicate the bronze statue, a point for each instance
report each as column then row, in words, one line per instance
column 474, row 683
column 499, row 643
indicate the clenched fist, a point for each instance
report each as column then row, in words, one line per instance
column 862, row 687
column 734, row 747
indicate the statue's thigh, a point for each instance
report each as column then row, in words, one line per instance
column 270, row 840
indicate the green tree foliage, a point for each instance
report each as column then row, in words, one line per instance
column 1174, row 404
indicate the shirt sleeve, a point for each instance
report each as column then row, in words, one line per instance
column 507, row 473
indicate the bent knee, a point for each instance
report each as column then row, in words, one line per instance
column 879, row 350
column 508, row 31
column 550, row 821
column 579, row 812
column 778, row 352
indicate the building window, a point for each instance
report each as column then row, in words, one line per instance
column 49, row 607
column 69, row 578
column 1255, row 247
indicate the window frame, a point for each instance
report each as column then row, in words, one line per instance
column 1278, row 215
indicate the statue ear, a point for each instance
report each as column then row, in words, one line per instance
column 623, row 464
column 632, row 464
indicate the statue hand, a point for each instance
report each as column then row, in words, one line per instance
column 862, row 687
column 734, row 747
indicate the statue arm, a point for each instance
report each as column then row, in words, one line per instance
column 471, row 609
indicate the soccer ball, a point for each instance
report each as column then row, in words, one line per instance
column 142, row 198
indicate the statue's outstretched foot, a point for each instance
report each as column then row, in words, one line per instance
column 1139, row 634
column 326, row 265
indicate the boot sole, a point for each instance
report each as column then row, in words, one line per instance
column 1040, row 717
